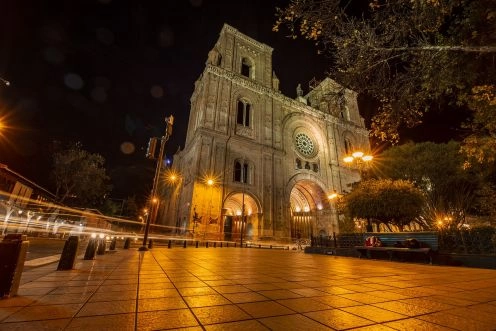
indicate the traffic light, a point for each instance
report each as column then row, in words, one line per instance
column 169, row 122
column 152, row 147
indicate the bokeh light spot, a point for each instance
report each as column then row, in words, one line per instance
column 73, row 81
column 98, row 94
column 127, row 147
column 157, row 91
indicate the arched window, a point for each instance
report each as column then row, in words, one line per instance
column 246, row 68
column 348, row 146
column 243, row 113
column 241, row 171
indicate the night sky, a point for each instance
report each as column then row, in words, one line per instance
column 107, row 72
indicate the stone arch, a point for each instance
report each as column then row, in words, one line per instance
column 233, row 213
column 309, row 211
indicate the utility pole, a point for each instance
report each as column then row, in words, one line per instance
column 153, row 210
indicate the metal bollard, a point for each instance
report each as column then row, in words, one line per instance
column 259, row 246
column 102, row 246
column 169, row 244
column 91, row 249
column 69, row 253
column 206, row 244
column 221, row 244
column 13, row 251
column 127, row 243
column 197, row 244
column 215, row 244
column 234, row 245
column 184, row 244
column 113, row 243
column 270, row 246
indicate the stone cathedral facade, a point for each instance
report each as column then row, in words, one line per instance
column 272, row 160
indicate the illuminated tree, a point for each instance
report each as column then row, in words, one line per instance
column 451, row 189
column 480, row 146
column 391, row 202
column 407, row 54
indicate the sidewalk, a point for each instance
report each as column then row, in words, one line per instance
column 249, row 289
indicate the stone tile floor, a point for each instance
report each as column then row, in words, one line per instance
column 249, row 289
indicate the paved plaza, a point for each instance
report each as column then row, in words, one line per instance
column 249, row 289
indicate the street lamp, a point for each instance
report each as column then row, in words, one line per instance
column 210, row 182
column 168, row 131
column 358, row 160
column 358, row 157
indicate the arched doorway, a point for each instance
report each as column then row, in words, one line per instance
column 233, row 213
column 310, row 210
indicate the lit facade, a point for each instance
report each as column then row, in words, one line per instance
column 274, row 159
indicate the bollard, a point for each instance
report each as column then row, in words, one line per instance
column 206, row 244
column 270, row 246
column 215, row 244
column 184, row 244
column 169, row 244
column 69, row 253
column 259, row 246
column 13, row 251
column 91, row 249
column 234, row 245
column 227, row 244
column 197, row 244
column 113, row 243
column 127, row 243
column 150, row 243
column 102, row 246
column 221, row 244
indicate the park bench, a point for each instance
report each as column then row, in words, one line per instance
column 428, row 245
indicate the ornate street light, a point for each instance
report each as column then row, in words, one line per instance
column 358, row 160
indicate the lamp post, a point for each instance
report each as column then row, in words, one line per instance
column 332, row 198
column 359, row 160
column 210, row 182
column 244, row 177
column 168, row 131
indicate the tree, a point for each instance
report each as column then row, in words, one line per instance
column 80, row 175
column 407, row 54
column 131, row 207
column 437, row 169
column 392, row 202
column 480, row 146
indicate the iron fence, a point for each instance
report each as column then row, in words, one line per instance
column 480, row 240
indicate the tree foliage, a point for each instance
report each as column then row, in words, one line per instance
column 407, row 54
column 480, row 146
column 392, row 202
column 451, row 189
column 80, row 176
